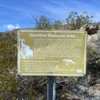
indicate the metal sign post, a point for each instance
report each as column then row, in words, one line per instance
column 51, row 88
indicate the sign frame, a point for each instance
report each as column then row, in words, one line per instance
column 34, row 30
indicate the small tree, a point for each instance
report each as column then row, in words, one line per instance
column 42, row 22
column 75, row 21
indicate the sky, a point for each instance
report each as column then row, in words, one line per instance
column 18, row 13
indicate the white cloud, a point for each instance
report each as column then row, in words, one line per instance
column 11, row 27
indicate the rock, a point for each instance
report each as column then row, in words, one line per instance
column 92, row 98
column 94, row 41
column 82, row 88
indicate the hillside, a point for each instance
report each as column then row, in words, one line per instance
column 13, row 86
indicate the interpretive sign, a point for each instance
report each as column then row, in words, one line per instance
column 51, row 53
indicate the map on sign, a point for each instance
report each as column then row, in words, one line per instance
column 51, row 53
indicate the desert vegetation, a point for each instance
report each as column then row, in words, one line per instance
column 15, row 87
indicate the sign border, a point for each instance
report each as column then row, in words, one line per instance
column 64, row 31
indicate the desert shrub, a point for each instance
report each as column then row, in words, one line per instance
column 93, row 61
column 13, row 86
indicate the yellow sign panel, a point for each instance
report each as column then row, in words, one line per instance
column 51, row 53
